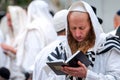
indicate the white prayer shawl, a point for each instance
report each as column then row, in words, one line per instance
column 4, row 27
column 38, row 34
column 38, row 9
column 18, row 18
column 41, row 69
column 1, row 36
column 19, row 21
column 112, row 32
column 2, row 55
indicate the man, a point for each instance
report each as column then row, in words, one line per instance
column 117, row 19
column 41, row 70
column 85, row 34
column 117, row 23
column 16, row 21
column 116, row 30
column 39, row 33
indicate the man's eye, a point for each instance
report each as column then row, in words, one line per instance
column 74, row 28
column 81, row 28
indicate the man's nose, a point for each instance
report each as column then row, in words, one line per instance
column 78, row 33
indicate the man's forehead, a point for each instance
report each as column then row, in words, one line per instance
column 79, row 14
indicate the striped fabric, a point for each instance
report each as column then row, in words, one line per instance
column 111, row 43
column 58, row 53
column 91, row 56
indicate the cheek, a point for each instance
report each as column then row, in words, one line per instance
column 86, row 32
column 72, row 33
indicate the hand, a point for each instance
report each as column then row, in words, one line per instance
column 5, row 46
column 80, row 71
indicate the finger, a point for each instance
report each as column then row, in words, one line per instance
column 81, row 64
column 72, row 69
column 64, row 70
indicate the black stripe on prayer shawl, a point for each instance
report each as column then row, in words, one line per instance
column 49, row 58
column 111, row 43
column 59, row 53
column 91, row 56
column 113, row 38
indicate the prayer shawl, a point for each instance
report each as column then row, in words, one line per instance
column 41, row 69
column 18, row 19
column 38, row 34
column 2, row 55
column 58, row 48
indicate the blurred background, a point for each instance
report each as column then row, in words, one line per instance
column 105, row 8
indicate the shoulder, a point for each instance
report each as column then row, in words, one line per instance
column 51, row 48
column 111, row 43
column 112, row 32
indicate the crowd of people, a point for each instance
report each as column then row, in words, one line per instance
column 30, row 38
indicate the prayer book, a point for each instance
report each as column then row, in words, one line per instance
column 71, row 61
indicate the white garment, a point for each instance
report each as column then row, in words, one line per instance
column 113, row 32
column 2, row 54
column 18, row 19
column 38, row 9
column 38, row 34
column 4, row 27
column 1, row 36
column 106, row 67
column 42, row 70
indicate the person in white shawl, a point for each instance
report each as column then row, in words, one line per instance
column 103, row 51
column 39, row 33
column 41, row 70
column 16, row 17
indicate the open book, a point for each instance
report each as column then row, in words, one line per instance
column 71, row 61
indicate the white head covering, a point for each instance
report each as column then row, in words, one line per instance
column 85, row 7
column 60, row 20
column 38, row 9
column 39, row 16
column 4, row 26
column 18, row 17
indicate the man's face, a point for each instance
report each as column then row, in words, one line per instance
column 116, row 21
column 9, row 22
column 79, row 25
